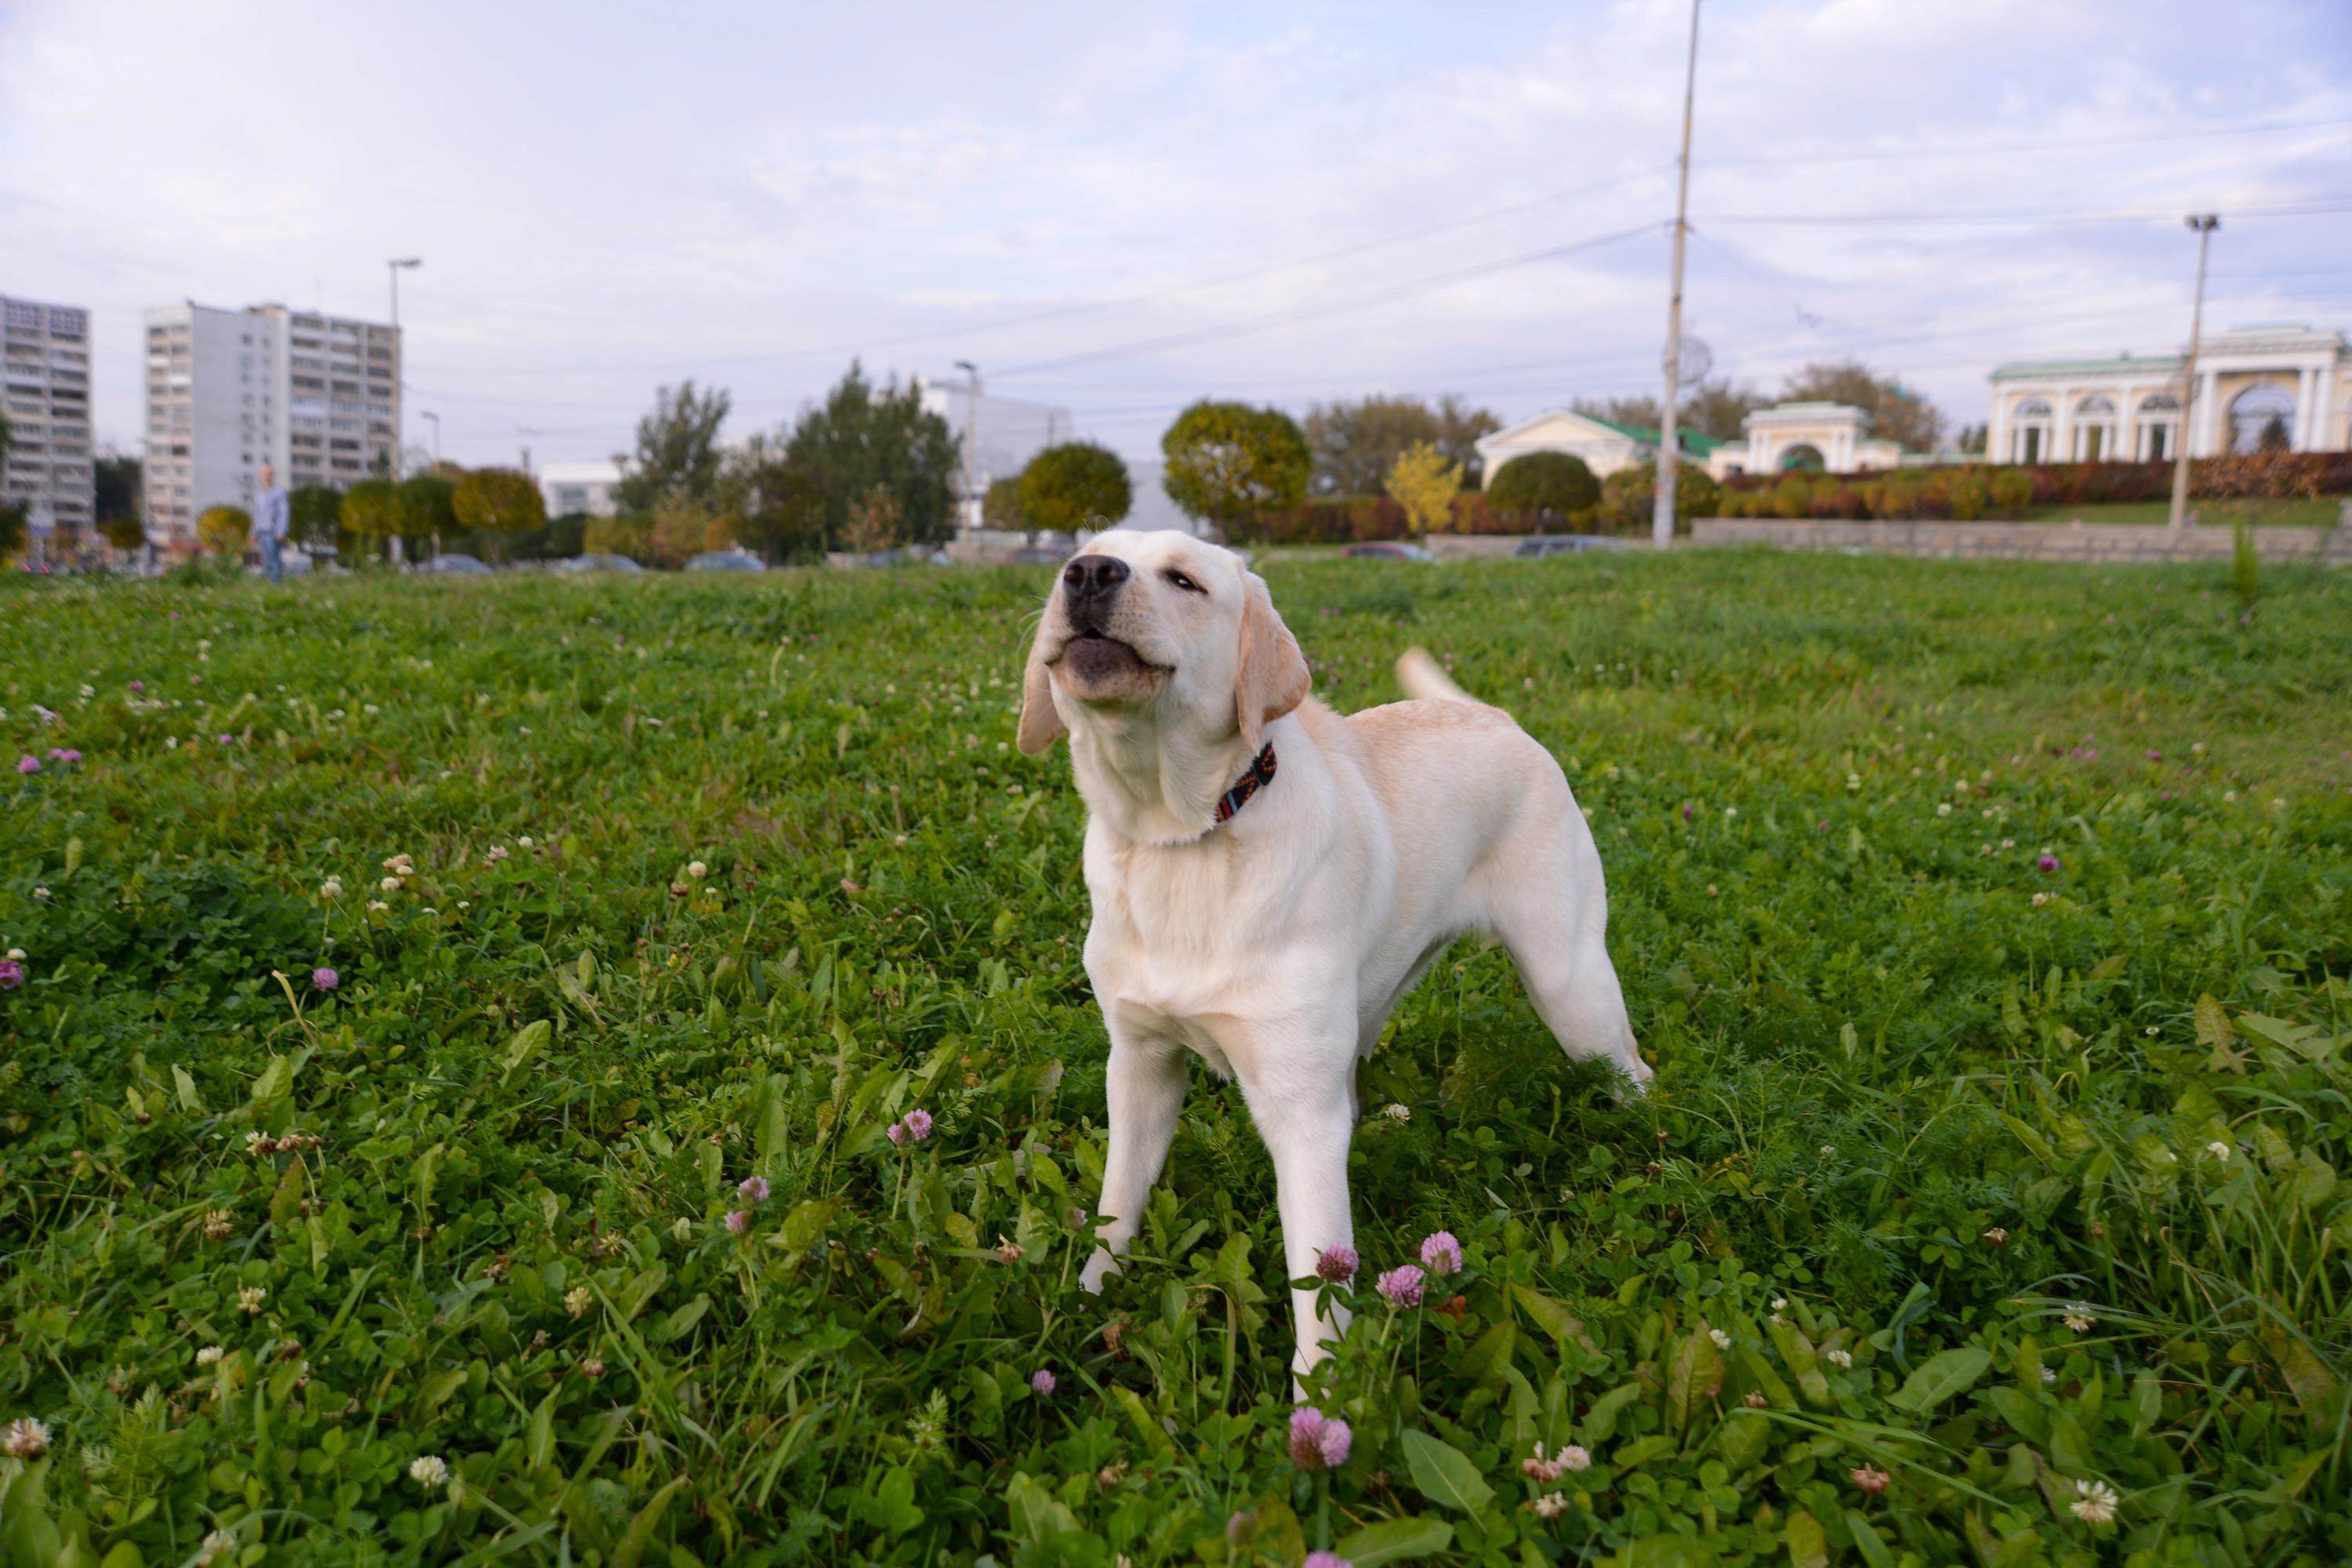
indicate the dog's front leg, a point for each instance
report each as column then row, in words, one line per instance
column 1145, row 1082
column 1301, row 1096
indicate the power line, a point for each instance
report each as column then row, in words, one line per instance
column 1279, row 319
column 1895, row 154
column 2004, row 215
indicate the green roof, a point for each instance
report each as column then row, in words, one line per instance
column 1689, row 440
column 2087, row 366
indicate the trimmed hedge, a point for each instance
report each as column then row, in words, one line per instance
column 2007, row 490
column 1343, row 520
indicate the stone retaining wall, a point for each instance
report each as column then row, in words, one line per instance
column 2025, row 541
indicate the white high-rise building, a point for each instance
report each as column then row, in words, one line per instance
column 228, row 391
column 45, row 391
column 1004, row 434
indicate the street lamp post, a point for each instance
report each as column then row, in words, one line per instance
column 2203, row 225
column 971, row 418
column 435, row 420
column 400, row 354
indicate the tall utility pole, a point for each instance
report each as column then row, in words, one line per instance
column 2204, row 224
column 970, row 419
column 1662, row 526
column 400, row 355
column 435, row 420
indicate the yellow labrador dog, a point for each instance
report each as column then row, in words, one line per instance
column 1269, row 879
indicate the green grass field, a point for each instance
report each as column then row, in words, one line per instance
column 1988, row 925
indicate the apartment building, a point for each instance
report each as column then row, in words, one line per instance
column 45, row 391
column 316, row 395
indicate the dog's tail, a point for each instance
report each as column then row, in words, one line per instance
column 1421, row 677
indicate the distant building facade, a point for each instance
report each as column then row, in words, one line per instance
column 1605, row 444
column 2289, row 377
column 45, row 391
column 316, row 395
column 1004, row 434
column 1832, row 438
column 569, row 488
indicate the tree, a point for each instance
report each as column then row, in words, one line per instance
column 1712, row 408
column 874, row 520
column 1074, row 485
column 2274, row 436
column 1356, row 445
column 223, row 529
column 371, row 509
column 1904, row 417
column 778, row 505
column 14, row 530
column 1971, row 440
column 423, row 508
column 1000, row 508
column 862, row 437
column 125, row 533
column 1424, row 483
column 677, row 456
column 314, row 514
column 116, row 484
column 1227, row 462
column 1629, row 496
column 1552, row 486
column 497, row 501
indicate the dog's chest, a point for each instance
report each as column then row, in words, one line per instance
column 1184, row 934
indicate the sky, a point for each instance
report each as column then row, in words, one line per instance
column 1121, row 209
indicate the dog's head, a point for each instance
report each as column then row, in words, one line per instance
column 1159, row 621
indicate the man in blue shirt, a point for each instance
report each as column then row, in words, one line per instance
column 269, row 521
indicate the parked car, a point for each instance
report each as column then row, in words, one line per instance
column 1386, row 550
column 594, row 561
column 456, row 565
column 727, row 561
column 1564, row 545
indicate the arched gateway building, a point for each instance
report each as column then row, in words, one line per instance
column 2279, row 380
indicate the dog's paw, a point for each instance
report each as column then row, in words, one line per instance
column 1100, row 1265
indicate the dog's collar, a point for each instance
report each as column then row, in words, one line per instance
column 1260, row 775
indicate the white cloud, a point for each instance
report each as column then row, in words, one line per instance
column 749, row 194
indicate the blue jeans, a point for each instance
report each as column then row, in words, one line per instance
column 273, row 557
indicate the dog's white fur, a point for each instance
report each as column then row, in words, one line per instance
column 1274, row 945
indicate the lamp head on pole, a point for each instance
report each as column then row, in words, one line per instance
column 406, row 261
column 2203, row 223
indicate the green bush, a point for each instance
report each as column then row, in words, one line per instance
column 1968, row 500
column 2012, row 490
column 1629, row 498
column 1546, row 488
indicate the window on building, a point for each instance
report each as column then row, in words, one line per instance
column 2029, row 431
column 2262, row 417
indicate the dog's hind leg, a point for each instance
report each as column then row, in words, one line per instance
column 1543, row 898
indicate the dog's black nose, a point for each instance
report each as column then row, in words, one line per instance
column 1093, row 576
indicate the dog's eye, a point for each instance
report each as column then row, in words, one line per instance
column 1180, row 580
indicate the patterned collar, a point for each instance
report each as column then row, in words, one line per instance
column 1260, row 775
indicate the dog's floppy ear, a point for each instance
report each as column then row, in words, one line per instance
column 1040, row 722
column 1270, row 676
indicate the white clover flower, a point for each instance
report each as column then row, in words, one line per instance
column 1944, row 808
column 330, row 889
column 1575, row 1458
column 1730, row 811
column 696, row 870
column 390, row 884
column 1840, row 1358
column 376, row 906
column 210, row 1355
column 218, row 1544
column 1551, row 1505
column 17, row 953
column 1722, row 1340
column 1398, row 1113
column 250, row 1299
column 525, row 841
column 1829, row 1151
column 2094, row 1502
column 1780, row 1303
column 25, row 1438
column 576, row 1300
column 428, row 1470
column 40, row 892
column 2049, row 1374
column 2219, row 1150
column 2080, row 1322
